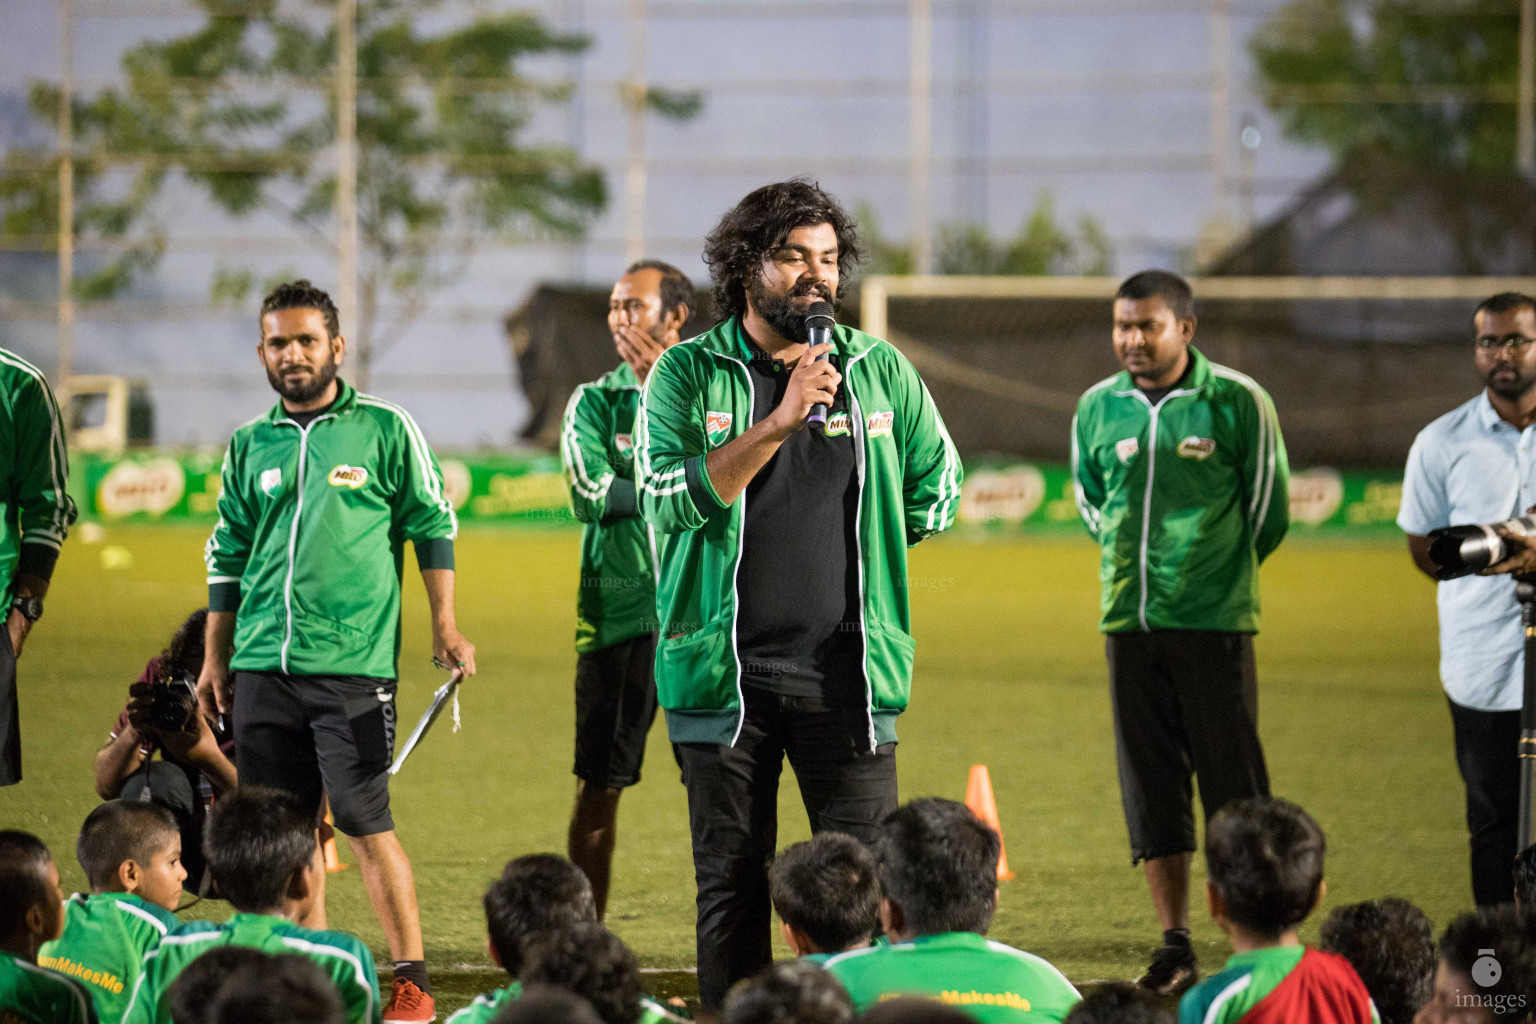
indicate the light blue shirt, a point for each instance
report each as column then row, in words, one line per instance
column 1470, row 466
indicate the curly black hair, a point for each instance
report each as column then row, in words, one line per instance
column 797, row 992
column 1391, row 945
column 592, row 962
column 183, row 656
column 750, row 232
column 301, row 294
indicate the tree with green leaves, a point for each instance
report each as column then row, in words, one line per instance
column 244, row 109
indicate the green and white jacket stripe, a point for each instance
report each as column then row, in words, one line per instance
column 1186, row 498
column 312, row 526
column 35, row 508
column 617, row 597
column 698, row 397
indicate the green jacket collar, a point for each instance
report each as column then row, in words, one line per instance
column 346, row 398
column 947, row 940
column 622, row 376
column 728, row 339
column 1199, row 375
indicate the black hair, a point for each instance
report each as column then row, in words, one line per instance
column 1160, row 284
column 24, row 861
column 1119, row 1002
column 676, row 289
column 829, row 888
column 1264, row 856
column 1503, row 302
column 914, row 1010
column 120, row 830
column 191, row 994
column 938, row 862
column 1391, row 944
column 255, row 839
column 544, row 1004
column 183, row 656
column 536, row 894
column 794, row 992
column 1506, row 932
column 286, row 989
column 1525, row 879
column 754, row 228
column 592, row 962
column 301, row 294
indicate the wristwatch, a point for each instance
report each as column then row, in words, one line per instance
column 31, row 608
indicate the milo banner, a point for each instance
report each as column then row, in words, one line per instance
column 529, row 489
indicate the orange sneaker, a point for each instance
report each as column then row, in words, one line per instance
column 408, row 1004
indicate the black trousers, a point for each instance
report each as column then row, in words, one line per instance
column 10, row 713
column 1184, row 701
column 1487, row 745
column 733, row 815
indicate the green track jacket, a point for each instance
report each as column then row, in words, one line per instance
column 1186, row 498
column 698, row 397
column 617, row 599
column 35, row 511
column 312, row 525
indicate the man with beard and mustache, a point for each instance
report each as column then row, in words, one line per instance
column 304, row 571
column 616, row 602
column 782, row 598
column 1181, row 476
column 1477, row 464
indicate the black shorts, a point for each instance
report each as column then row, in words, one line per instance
column 317, row 736
column 10, row 713
column 1184, row 701
column 615, row 706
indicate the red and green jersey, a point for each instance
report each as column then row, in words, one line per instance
column 30, row 994
column 343, row 958
column 105, row 938
column 485, row 1008
column 1281, row 985
column 988, row 980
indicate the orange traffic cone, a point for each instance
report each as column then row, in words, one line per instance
column 332, row 860
column 979, row 798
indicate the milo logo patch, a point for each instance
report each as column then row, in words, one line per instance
column 348, row 476
column 837, row 424
column 880, row 423
column 1199, row 448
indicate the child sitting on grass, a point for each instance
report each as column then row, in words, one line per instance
column 32, row 913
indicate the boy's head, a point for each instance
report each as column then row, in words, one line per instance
column 797, row 992
column 1525, row 879
column 285, row 989
column 31, row 905
column 535, row 895
column 938, row 867
column 1120, row 1002
column 191, row 994
column 593, row 963
column 541, row 1004
column 1391, row 945
column 1487, row 970
column 1264, row 865
column 263, row 852
column 133, row 847
column 827, row 893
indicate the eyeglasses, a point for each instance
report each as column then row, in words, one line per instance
column 1516, row 343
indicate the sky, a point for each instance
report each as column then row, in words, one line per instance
column 1102, row 103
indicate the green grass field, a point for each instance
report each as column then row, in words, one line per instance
column 1010, row 673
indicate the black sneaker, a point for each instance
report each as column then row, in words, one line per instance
column 1172, row 971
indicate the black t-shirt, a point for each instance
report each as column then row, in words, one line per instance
column 304, row 419
column 797, row 620
column 1155, row 395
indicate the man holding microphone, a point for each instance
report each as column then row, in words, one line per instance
column 785, row 627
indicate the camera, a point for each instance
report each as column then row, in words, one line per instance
column 163, row 707
column 1459, row 551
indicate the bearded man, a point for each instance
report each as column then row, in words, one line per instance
column 304, row 568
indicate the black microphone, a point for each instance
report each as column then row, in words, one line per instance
column 818, row 331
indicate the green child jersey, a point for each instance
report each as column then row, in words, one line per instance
column 30, row 994
column 312, row 525
column 105, row 938
column 617, row 598
column 988, row 980
column 343, row 958
column 1185, row 497
column 485, row 1008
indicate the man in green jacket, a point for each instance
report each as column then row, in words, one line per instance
column 35, row 516
column 304, row 571
column 1181, row 476
column 616, row 603
column 785, row 627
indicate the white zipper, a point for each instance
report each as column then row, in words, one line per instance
column 1146, row 505
column 293, row 533
column 860, row 440
column 741, row 537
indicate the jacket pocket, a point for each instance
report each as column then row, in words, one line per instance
column 889, row 664
column 696, row 671
column 328, row 636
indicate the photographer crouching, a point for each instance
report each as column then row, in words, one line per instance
column 195, row 761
